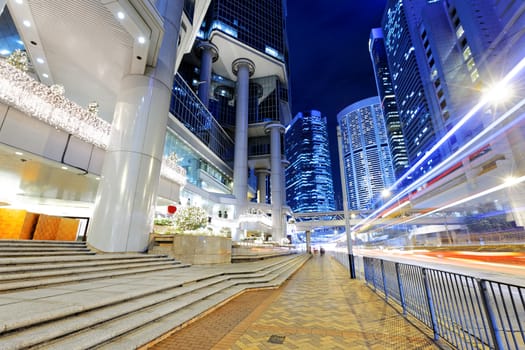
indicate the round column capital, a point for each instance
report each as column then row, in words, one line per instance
column 207, row 45
column 262, row 171
column 243, row 61
column 274, row 124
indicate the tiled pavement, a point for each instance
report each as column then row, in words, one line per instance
column 318, row 308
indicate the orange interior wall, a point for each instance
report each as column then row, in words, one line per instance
column 20, row 224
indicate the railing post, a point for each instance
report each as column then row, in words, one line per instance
column 430, row 304
column 401, row 291
column 496, row 339
column 351, row 265
column 372, row 271
column 384, row 280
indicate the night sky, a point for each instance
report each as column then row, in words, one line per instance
column 329, row 59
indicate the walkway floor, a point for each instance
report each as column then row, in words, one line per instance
column 318, row 308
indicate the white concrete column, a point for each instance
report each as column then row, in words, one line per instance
column 261, row 184
column 284, row 163
column 209, row 54
column 243, row 68
column 125, row 203
column 2, row 5
column 275, row 129
column 516, row 193
column 308, row 241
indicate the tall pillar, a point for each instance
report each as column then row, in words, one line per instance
column 275, row 129
column 309, row 241
column 125, row 203
column 261, row 184
column 284, row 163
column 243, row 68
column 348, row 228
column 209, row 54
column 516, row 193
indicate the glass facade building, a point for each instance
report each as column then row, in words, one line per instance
column 309, row 185
column 386, row 94
column 419, row 127
column 366, row 154
column 457, row 71
column 257, row 24
column 441, row 56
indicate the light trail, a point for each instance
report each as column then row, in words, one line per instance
column 486, row 98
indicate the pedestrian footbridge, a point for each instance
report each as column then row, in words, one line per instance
column 313, row 220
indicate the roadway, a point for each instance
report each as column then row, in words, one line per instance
column 501, row 266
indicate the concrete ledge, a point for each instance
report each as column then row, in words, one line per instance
column 190, row 249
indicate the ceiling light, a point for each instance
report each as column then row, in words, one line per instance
column 64, row 167
column 18, row 1
column 40, row 60
column 19, row 153
column 45, row 75
column 27, row 23
column 121, row 15
column 5, row 52
column 141, row 39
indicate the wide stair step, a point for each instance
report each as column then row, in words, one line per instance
column 20, row 248
column 128, row 314
column 58, row 263
column 39, row 243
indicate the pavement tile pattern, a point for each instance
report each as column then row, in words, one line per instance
column 318, row 308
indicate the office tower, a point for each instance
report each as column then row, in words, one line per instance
column 387, row 97
column 309, row 185
column 444, row 56
column 365, row 153
column 469, row 49
column 416, row 114
column 441, row 55
column 149, row 138
column 240, row 66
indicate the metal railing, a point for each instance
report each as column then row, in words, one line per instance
column 188, row 108
column 467, row 312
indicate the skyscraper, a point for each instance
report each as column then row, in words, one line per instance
column 387, row 97
column 444, row 56
column 366, row 154
column 203, row 91
column 238, row 67
column 416, row 114
column 309, row 185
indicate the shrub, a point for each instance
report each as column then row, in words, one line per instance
column 190, row 219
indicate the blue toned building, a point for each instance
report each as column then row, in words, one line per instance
column 385, row 91
column 416, row 112
column 365, row 154
column 309, row 185
column 444, row 56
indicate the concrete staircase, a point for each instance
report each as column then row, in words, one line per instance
column 113, row 301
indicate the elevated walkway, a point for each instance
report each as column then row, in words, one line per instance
column 72, row 298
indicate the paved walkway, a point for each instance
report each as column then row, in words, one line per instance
column 318, row 308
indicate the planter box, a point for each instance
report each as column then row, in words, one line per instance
column 195, row 250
